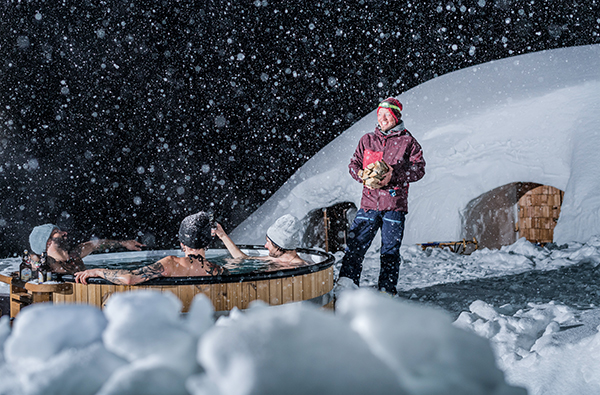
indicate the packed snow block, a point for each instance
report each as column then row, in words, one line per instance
column 559, row 369
column 75, row 371
column 9, row 382
column 58, row 350
column 518, row 335
column 148, row 324
column 525, row 248
column 289, row 349
column 43, row 330
column 147, row 379
column 427, row 353
column 4, row 333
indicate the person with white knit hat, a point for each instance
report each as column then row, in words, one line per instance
column 50, row 242
column 283, row 238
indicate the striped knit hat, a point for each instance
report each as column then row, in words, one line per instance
column 393, row 105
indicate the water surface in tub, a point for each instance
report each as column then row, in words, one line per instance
column 135, row 259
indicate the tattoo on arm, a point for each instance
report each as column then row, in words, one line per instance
column 144, row 273
column 107, row 244
column 114, row 276
column 216, row 270
column 150, row 271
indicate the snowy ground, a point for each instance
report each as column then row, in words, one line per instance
column 537, row 307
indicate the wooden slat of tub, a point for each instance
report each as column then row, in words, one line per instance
column 309, row 285
column 329, row 282
column 219, row 296
column 168, row 288
column 287, row 291
column 94, row 295
column 69, row 297
column 75, row 293
column 297, row 291
column 324, row 281
column 58, row 298
column 65, row 296
column 321, row 282
column 306, row 287
column 275, row 292
column 186, row 295
column 234, row 295
column 81, row 293
column 262, row 290
column 248, row 293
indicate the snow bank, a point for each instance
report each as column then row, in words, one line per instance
column 427, row 354
column 140, row 344
column 531, row 347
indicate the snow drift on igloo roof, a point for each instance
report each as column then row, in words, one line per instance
column 528, row 118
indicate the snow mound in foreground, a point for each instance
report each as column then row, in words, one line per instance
column 373, row 345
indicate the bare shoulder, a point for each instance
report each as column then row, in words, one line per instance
column 157, row 269
column 186, row 266
column 169, row 265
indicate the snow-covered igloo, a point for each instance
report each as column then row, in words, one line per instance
column 532, row 118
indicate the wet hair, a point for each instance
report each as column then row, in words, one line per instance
column 195, row 230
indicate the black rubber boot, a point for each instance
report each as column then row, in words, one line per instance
column 388, row 274
column 351, row 268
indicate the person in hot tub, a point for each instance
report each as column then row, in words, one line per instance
column 195, row 233
column 282, row 239
column 52, row 243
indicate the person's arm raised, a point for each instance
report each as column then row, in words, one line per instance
column 229, row 244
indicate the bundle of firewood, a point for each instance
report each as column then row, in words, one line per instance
column 374, row 173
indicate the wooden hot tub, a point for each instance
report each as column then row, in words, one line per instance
column 312, row 283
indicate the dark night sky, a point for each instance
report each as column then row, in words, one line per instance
column 119, row 118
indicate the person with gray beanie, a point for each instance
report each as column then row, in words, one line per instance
column 195, row 234
column 282, row 240
column 50, row 242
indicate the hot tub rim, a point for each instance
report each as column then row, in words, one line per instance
column 234, row 278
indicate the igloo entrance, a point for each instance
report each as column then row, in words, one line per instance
column 503, row 215
column 327, row 227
